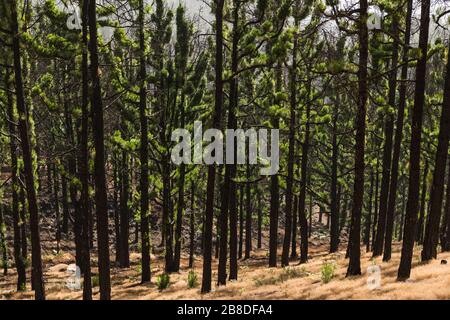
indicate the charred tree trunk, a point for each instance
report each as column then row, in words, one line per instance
column 241, row 221
column 369, row 215
column 38, row 281
column 209, row 212
column 445, row 233
column 398, row 131
column 248, row 217
column 99, row 161
column 437, row 188
column 334, row 234
column 57, row 214
column 290, row 160
column 124, row 214
column 84, row 156
column 423, row 196
column 18, row 258
column 145, row 232
column 65, row 205
column 414, row 150
column 387, row 157
column 354, row 267
column 302, row 197
column 192, row 228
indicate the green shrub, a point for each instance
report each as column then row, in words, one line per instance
column 192, row 279
column 163, row 281
column 291, row 273
column 327, row 272
column 286, row 274
column 95, row 281
column 265, row 281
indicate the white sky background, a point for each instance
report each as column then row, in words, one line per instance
column 200, row 12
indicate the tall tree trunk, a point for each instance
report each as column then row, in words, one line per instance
column 274, row 187
column 334, row 234
column 445, row 233
column 389, row 226
column 23, row 223
column 398, row 131
column 414, row 150
column 291, row 159
column 116, row 212
column 423, row 196
column 260, row 217
column 65, row 205
column 248, row 216
column 57, row 215
column 302, row 197
column 354, row 266
column 72, row 170
column 145, row 232
column 3, row 241
column 229, row 188
column 18, row 259
column 99, row 161
column 294, row 228
column 209, row 212
column 387, row 153
column 437, row 188
column 241, row 220
column 38, row 281
column 233, row 207
column 369, row 215
column 376, row 198
column 124, row 213
column 84, row 156
column 192, row 228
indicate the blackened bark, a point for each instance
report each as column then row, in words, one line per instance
column 233, row 229
column 334, row 233
column 414, row 150
column 116, row 214
column 260, row 216
column 209, row 212
column 145, row 234
column 192, row 228
column 241, row 221
column 3, row 241
column 376, row 198
column 99, row 161
column 445, row 232
column 369, row 215
column 124, row 213
column 57, row 214
column 23, row 223
column 429, row 250
column 248, row 216
column 302, row 197
column 84, row 156
column 389, row 226
column 18, row 259
column 423, row 195
column 398, row 130
column 38, row 281
column 290, row 160
column 354, row 266
column 65, row 205
column 274, row 188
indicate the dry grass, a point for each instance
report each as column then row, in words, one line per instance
column 257, row 281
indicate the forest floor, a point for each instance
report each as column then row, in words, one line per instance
column 256, row 280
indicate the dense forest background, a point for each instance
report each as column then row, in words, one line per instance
column 91, row 91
